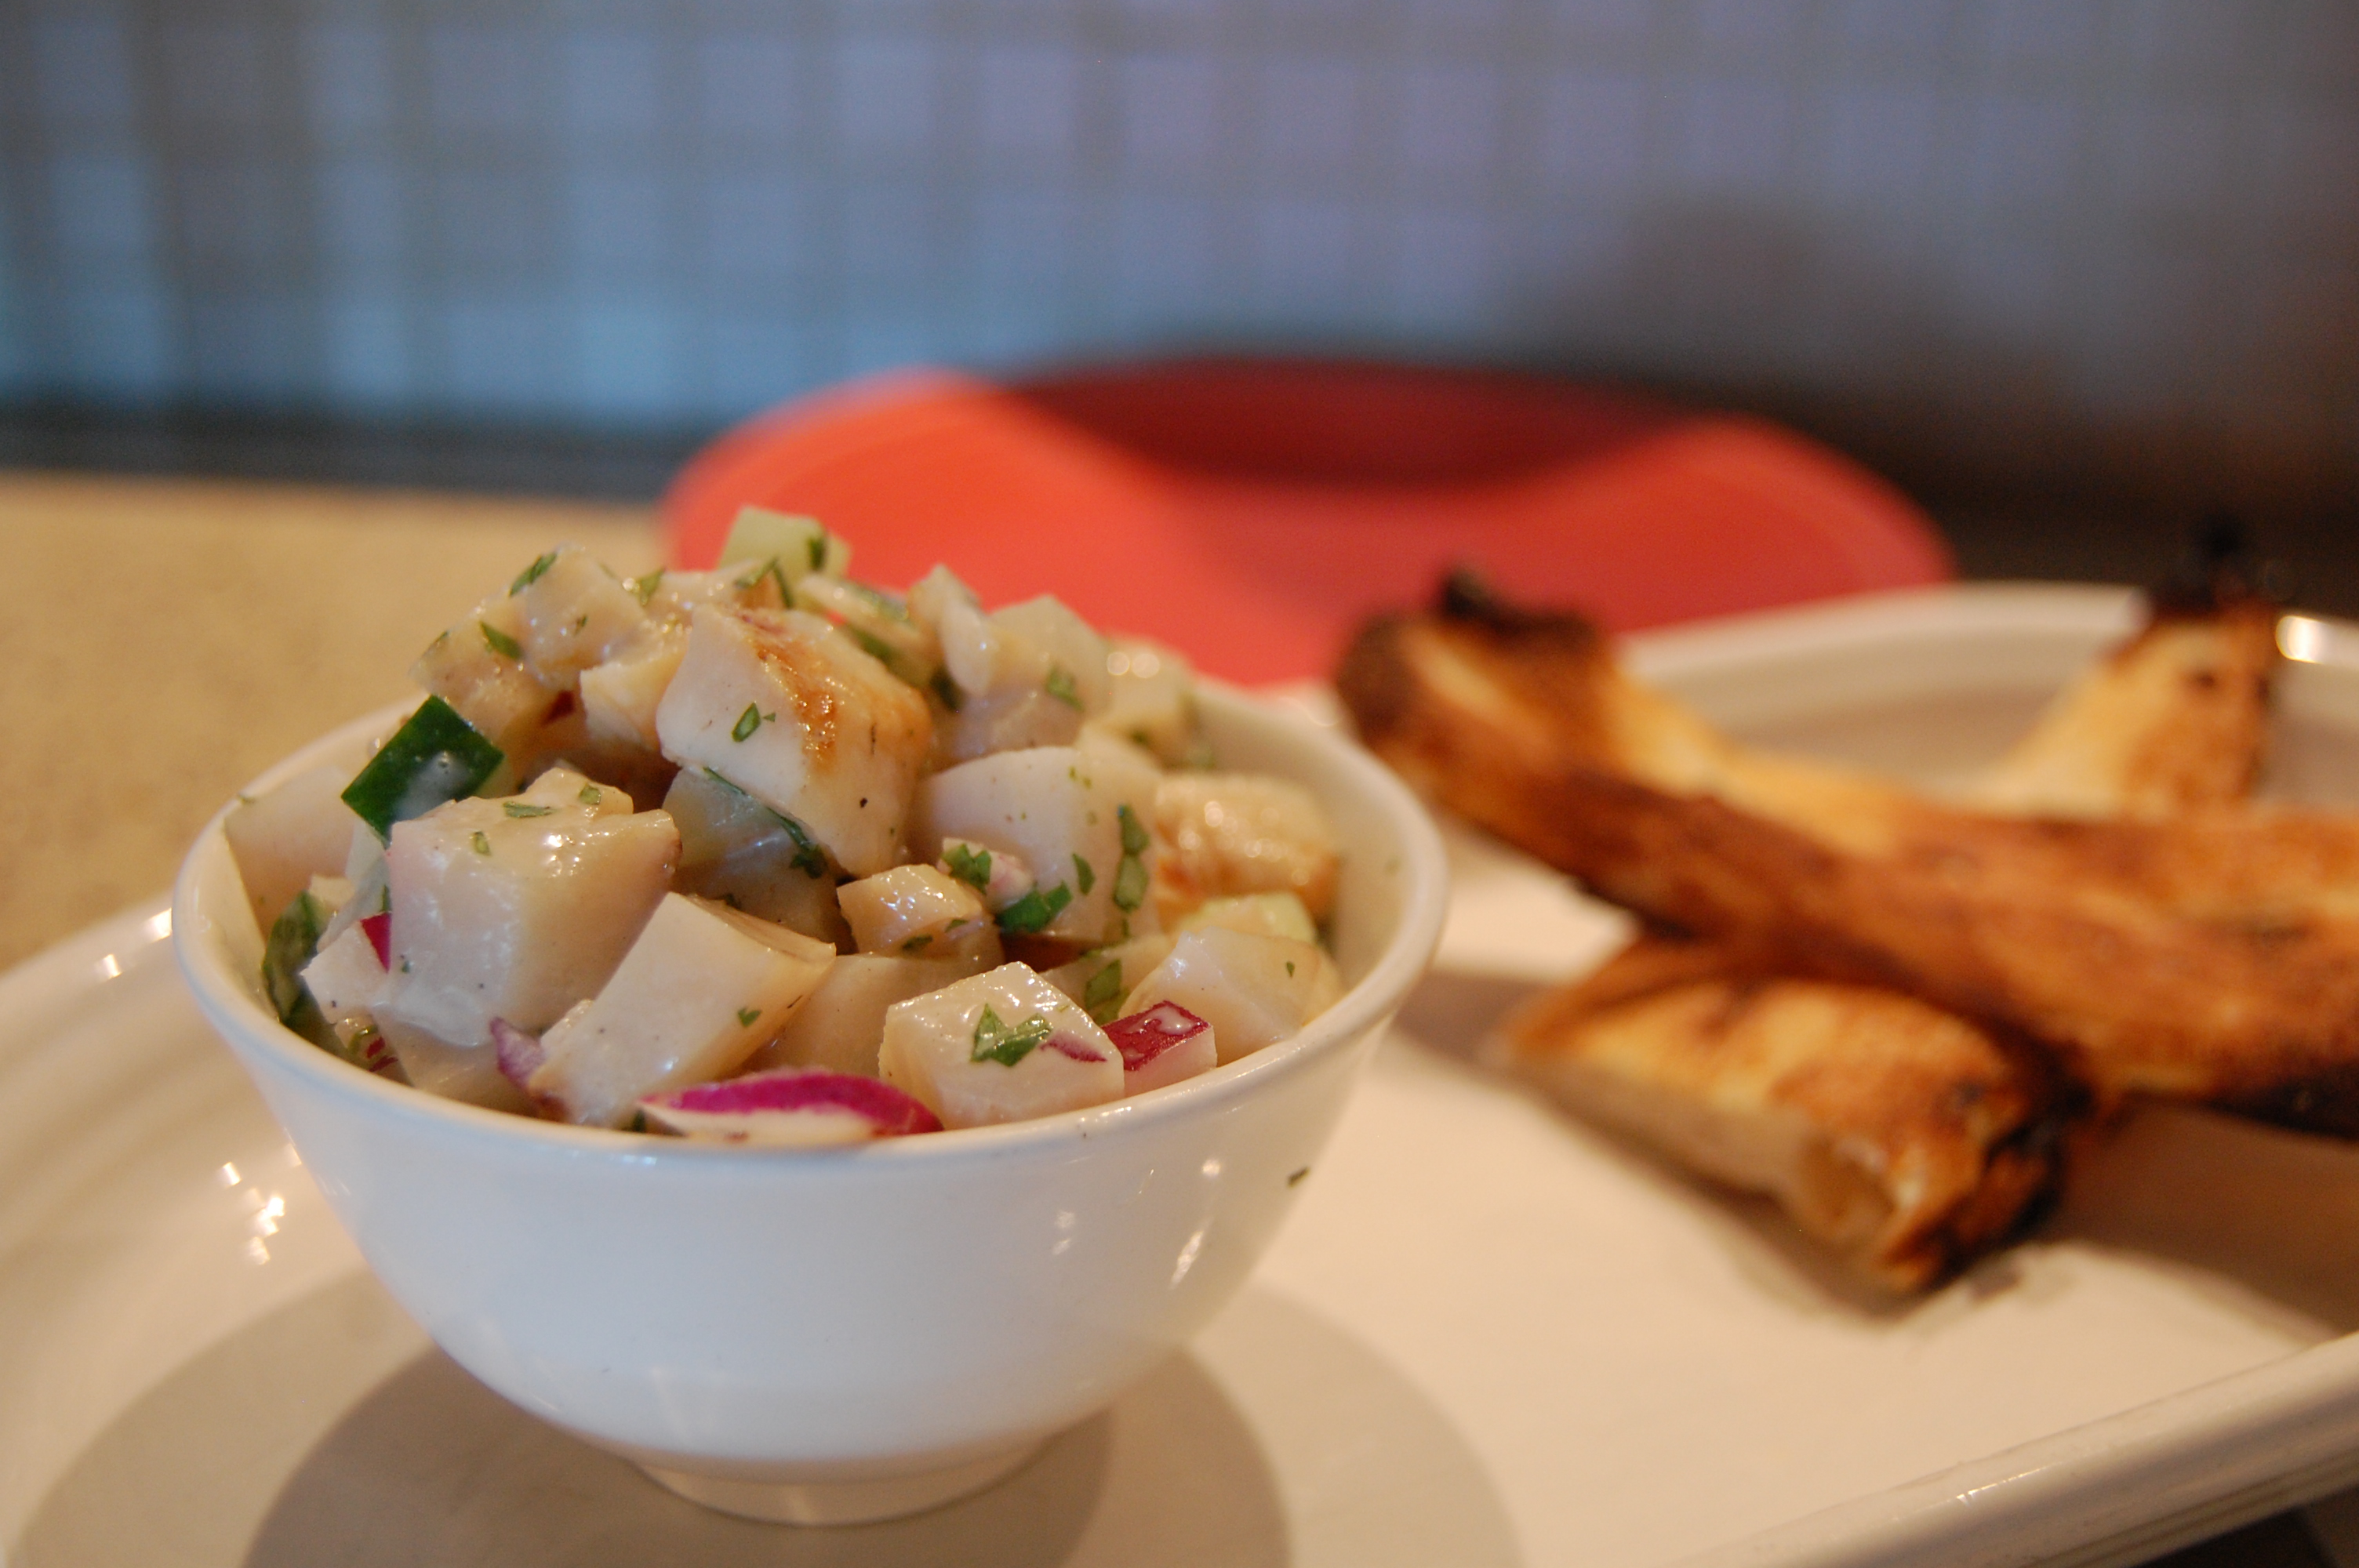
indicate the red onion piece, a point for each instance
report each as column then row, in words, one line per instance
column 1144, row 1037
column 889, row 1110
column 379, row 927
column 1078, row 1050
column 520, row 1053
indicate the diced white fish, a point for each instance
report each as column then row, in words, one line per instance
column 700, row 989
column 1223, row 834
column 1254, row 990
column 574, row 614
column 619, row 697
column 518, row 908
column 909, row 909
column 841, row 1027
column 283, row 838
column 1027, row 675
column 1063, row 810
column 780, row 706
column 1151, row 700
column 1002, row 1046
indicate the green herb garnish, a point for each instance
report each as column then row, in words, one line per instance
column 775, row 573
column 1133, row 837
column 919, row 944
column 1289, row 968
column 435, row 756
column 1029, row 914
column 809, row 859
column 499, row 642
column 482, row 845
column 1130, row 884
column 970, row 866
column 523, row 808
column 532, row 574
column 941, row 686
column 747, row 1015
column 875, row 647
column 1060, row 686
column 748, row 721
column 591, row 795
column 995, row 1042
column 294, row 942
column 1103, row 995
column 643, row 589
column 817, row 545
column 1084, row 875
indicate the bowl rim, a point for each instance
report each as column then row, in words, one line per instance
column 238, row 1015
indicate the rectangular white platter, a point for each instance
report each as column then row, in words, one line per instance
column 1488, row 1335
column 1650, row 1371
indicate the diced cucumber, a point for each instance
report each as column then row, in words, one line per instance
column 435, row 756
column 294, row 942
column 798, row 545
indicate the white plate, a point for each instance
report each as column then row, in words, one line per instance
column 1487, row 1336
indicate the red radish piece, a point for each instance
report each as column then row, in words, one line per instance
column 379, row 927
column 1078, row 1050
column 520, row 1053
column 792, row 1107
column 1161, row 1045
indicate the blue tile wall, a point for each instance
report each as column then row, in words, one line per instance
column 2141, row 213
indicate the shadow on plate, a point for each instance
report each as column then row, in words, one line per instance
column 329, row 1432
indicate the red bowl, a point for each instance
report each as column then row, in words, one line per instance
column 1252, row 512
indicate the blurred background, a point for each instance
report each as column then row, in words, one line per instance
column 2069, row 271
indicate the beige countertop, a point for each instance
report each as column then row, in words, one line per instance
column 174, row 638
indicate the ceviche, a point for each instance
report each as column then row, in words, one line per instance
column 766, row 854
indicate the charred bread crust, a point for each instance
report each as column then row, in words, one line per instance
column 2213, row 958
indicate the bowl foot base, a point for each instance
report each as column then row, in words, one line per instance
column 842, row 1502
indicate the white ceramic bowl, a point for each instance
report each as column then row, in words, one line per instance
column 842, row 1334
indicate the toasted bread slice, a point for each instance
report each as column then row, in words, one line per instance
column 2213, row 958
column 2173, row 721
column 1902, row 1136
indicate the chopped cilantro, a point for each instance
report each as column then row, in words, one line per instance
column 1060, row 686
column 747, row 1015
column 591, row 795
column 1130, row 884
column 1029, row 914
column 817, row 544
column 523, row 808
column 1103, row 995
column 968, row 865
column 995, row 1042
column 1133, row 837
column 809, row 859
column 499, row 642
column 947, row 689
column 1289, row 968
column 482, row 845
column 1084, row 875
column 919, row 944
column 643, row 589
column 532, row 574
column 775, row 573
column 873, row 646
column 748, row 721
